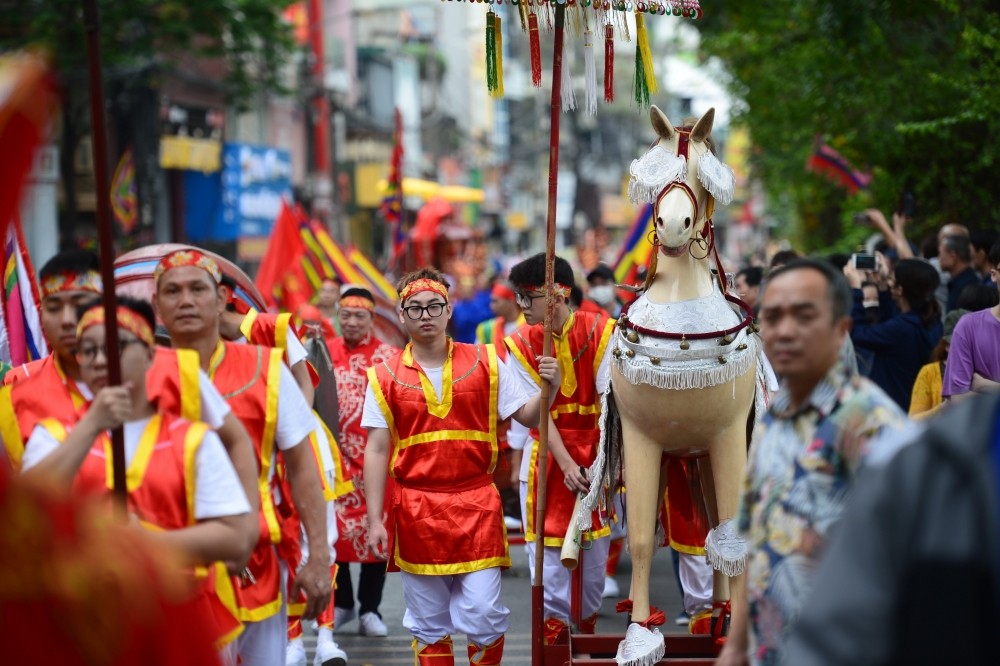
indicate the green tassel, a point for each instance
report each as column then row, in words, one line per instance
column 491, row 53
column 641, row 87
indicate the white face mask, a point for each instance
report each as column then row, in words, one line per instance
column 870, row 304
column 602, row 294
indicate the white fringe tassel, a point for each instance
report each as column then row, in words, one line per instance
column 726, row 550
column 590, row 73
column 568, row 96
column 640, row 647
column 596, row 473
column 717, row 178
column 680, row 378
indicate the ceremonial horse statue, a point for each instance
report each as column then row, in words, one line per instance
column 684, row 371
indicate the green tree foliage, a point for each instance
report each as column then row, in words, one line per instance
column 909, row 90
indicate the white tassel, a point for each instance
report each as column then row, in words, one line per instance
column 590, row 72
column 640, row 647
column 568, row 96
column 681, row 377
column 718, row 179
column 589, row 501
column 726, row 550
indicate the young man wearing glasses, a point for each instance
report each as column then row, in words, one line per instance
column 580, row 340
column 432, row 414
column 167, row 459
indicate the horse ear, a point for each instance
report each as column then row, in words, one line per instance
column 661, row 123
column 703, row 128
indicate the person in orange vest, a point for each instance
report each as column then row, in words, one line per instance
column 51, row 387
column 431, row 414
column 263, row 394
column 352, row 354
column 580, row 340
column 181, row 483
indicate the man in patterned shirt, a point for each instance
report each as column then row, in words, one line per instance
column 805, row 454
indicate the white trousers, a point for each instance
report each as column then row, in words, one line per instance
column 263, row 643
column 696, row 579
column 557, row 580
column 469, row 603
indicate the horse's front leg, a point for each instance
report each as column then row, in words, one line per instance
column 642, row 458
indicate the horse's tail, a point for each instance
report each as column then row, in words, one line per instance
column 606, row 473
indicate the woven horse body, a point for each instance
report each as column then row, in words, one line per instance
column 684, row 373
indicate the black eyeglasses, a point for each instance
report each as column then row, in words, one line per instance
column 87, row 354
column 416, row 312
column 524, row 300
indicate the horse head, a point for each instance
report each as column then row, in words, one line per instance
column 681, row 176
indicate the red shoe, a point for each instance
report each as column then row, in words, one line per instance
column 624, row 606
column 555, row 631
column 588, row 625
column 720, row 622
column 486, row 655
column 701, row 623
column 441, row 653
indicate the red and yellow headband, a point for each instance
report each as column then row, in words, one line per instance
column 357, row 302
column 181, row 258
column 500, row 290
column 557, row 289
column 128, row 319
column 423, row 284
column 70, row 281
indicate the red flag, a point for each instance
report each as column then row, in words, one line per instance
column 280, row 277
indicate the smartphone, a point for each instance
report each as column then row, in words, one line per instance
column 907, row 204
column 864, row 262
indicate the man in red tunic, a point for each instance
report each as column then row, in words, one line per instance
column 263, row 394
column 580, row 340
column 432, row 414
column 352, row 354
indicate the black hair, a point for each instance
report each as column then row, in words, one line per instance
column 837, row 288
column 601, row 272
column 358, row 291
column 917, row 279
column 230, row 284
column 70, row 261
column 983, row 239
column 976, row 297
column 995, row 254
column 783, row 257
column 575, row 297
column 140, row 306
column 752, row 274
column 531, row 272
column 959, row 246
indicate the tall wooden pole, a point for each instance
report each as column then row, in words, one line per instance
column 537, row 589
column 91, row 21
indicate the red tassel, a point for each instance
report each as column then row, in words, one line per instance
column 609, row 63
column 536, row 51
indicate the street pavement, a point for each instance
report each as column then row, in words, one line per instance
column 395, row 648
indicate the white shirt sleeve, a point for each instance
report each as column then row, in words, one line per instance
column 39, row 446
column 604, row 372
column 527, row 382
column 371, row 415
column 296, row 350
column 214, row 407
column 218, row 491
column 295, row 418
column 511, row 393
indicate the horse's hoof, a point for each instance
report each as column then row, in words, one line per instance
column 641, row 647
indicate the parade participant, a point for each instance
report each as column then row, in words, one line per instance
column 806, row 452
column 435, row 409
column 580, row 340
column 51, row 387
column 180, row 481
column 503, row 304
column 243, row 325
column 264, row 395
column 602, row 296
column 352, row 354
column 326, row 300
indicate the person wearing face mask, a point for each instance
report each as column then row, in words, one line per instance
column 601, row 291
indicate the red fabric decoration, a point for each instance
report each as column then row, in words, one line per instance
column 536, row 51
column 609, row 63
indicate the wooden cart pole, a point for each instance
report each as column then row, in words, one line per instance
column 537, row 588
column 99, row 145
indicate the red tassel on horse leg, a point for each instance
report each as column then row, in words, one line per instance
column 609, row 63
column 536, row 50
